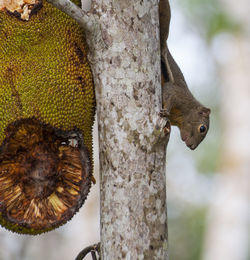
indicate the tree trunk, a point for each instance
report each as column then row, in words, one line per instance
column 132, row 160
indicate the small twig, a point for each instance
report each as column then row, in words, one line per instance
column 93, row 255
column 90, row 249
column 73, row 11
column 86, row 20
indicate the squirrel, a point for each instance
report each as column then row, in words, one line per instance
column 179, row 105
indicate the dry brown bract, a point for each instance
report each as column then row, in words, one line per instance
column 23, row 7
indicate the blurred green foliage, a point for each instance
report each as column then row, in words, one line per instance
column 209, row 17
column 186, row 233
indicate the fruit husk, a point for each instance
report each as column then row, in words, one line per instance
column 44, row 177
column 46, row 85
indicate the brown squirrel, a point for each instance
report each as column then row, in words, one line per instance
column 179, row 105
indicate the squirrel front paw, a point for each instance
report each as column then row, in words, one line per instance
column 164, row 113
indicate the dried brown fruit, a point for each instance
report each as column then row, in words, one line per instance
column 44, row 180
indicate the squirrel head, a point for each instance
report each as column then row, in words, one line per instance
column 195, row 127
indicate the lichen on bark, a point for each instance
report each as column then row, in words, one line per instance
column 127, row 77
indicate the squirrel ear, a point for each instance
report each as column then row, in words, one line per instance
column 205, row 111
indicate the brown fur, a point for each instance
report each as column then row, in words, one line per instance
column 179, row 105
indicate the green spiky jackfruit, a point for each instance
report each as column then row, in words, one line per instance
column 46, row 87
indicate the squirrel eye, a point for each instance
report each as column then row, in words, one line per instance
column 202, row 128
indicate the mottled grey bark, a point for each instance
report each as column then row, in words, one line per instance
column 128, row 92
column 126, row 69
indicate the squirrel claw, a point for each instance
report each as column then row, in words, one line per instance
column 163, row 125
column 167, row 128
column 164, row 113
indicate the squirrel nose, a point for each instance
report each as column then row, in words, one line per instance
column 192, row 146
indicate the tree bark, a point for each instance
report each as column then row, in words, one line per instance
column 124, row 49
column 132, row 160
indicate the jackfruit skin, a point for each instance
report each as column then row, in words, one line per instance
column 45, row 74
